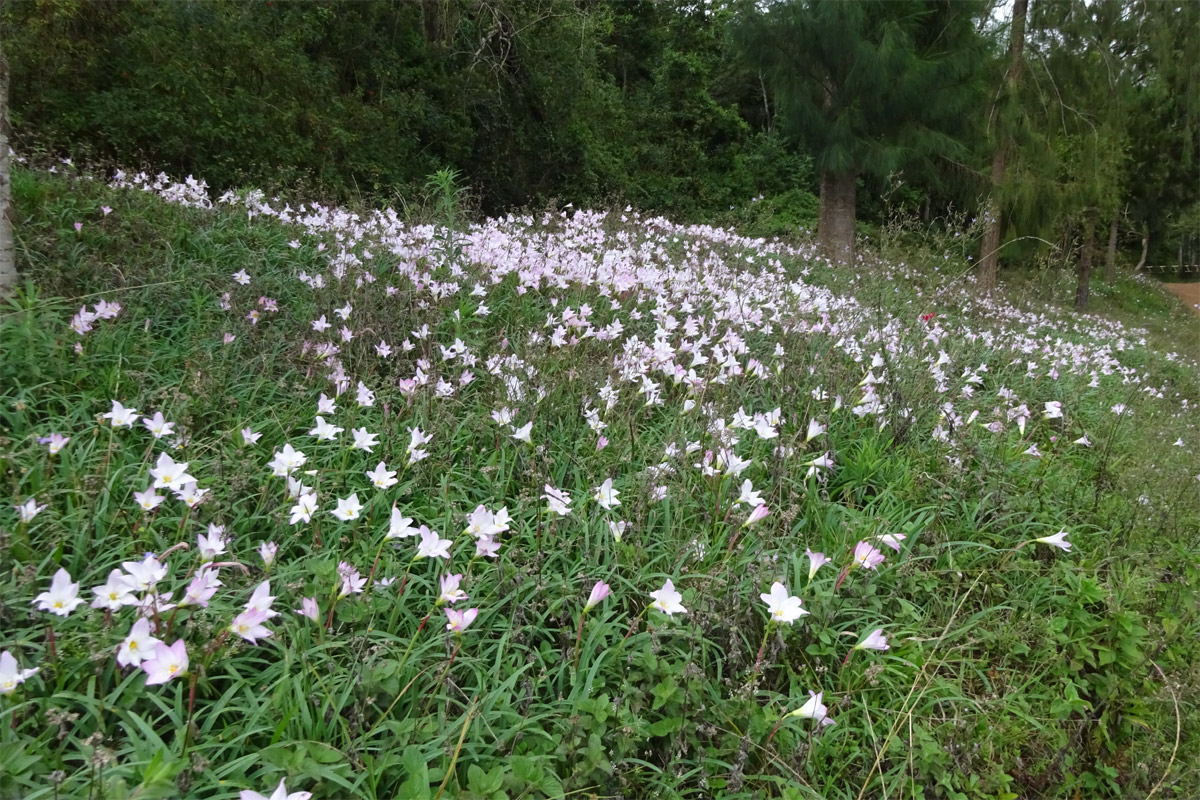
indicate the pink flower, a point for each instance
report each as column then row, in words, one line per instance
column 308, row 608
column 78, row 227
column 875, row 641
column 168, row 662
column 451, row 593
column 815, row 562
column 866, row 556
column 756, row 515
column 600, row 591
column 459, row 620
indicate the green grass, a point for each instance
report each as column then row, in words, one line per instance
column 1013, row 671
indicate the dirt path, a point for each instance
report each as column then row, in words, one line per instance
column 1189, row 293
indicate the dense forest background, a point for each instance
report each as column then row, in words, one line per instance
column 1066, row 125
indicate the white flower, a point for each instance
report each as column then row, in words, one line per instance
column 287, row 461
column 306, row 506
column 63, row 596
column 324, row 431
column 138, row 645
column 522, row 434
column 1057, row 540
column 11, row 674
column 400, row 526
column 606, row 496
column 120, row 416
column 381, row 477
column 667, row 600
column 364, row 440
column 875, row 640
column 348, row 508
column 168, row 474
column 781, row 606
column 813, row 709
column 558, row 500
column 158, row 426
column 433, row 545
column 28, row 510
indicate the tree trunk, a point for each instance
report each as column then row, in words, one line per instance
column 835, row 225
column 989, row 255
column 1145, row 250
column 1110, row 258
column 1088, row 253
column 8, row 265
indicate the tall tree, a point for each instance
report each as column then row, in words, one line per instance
column 867, row 86
column 989, row 254
column 8, row 265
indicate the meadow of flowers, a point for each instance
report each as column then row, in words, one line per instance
column 305, row 501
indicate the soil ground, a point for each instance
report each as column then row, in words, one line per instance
column 1189, row 293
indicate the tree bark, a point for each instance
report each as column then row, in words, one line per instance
column 1145, row 250
column 8, row 265
column 1083, row 287
column 835, row 224
column 1110, row 258
column 989, row 255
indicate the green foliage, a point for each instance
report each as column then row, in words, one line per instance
column 1012, row 672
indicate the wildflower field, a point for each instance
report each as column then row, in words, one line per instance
column 577, row 504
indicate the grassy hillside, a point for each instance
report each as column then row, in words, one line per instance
column 919, row 440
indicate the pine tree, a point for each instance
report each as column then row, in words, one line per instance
column 868, row 87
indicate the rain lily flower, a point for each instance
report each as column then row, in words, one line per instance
column 487, row 547
column 120, row 416
column 138, row 645
column 280, row 793
column 813, row 709
column 748, row 495
column 399, row 526
column 168, row 474
column 781, row 606
column 817, row 464
column 266, row 551
column 324, row 431
column 190, row 494
column 875, row 640
column 28, row 510
column 167, row 663
column 866, row 556
column 558, row 500
column 144, row 575
column 287, row 461
column 213, row 544
column 756, row 516
column 433, row 545
column 11, row 674
column 308, row 608
column 450, row 593
column 249, row 625
column 1084, row 440
column 815, row 562
column 55, row 442
column 306, row 506
column 382, row 477
column 667, row 600
column 363, row 440
column 116, row 593
column 482, row 522
column 353, row 581
column 522, row 434
column 606, row 496
column 892, row 540
column 262, row 599
column 242, row 277
column 63, row 596
column 600, row 591
column 618, row 529
column 1058, row 540
column 201, row 589
column 815, row 429
column 158, row 426
column 249, row 437
column 457, row 621
column 348, row 508
column 1053, row 410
